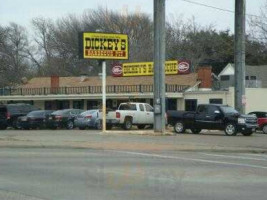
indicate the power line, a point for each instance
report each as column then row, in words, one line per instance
column 216, row 8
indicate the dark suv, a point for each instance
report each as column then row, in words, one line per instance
column 9, row 114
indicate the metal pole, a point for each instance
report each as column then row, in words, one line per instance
column 240, row 71
column 159, row 66
column 103, row 95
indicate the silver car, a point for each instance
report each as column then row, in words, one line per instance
column 88, row 119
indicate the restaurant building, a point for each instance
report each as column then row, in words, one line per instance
column 183, row 91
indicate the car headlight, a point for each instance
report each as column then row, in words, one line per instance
column 241, row 120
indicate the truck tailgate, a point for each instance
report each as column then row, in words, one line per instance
column 111, row 118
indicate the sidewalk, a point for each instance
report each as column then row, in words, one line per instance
column 133, row 140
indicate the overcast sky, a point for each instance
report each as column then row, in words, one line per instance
column 22, row 11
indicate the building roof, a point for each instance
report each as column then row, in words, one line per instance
column 41, row 82
column 256, row 70
column 259, row 71
column 227, row 70
column 251, row 70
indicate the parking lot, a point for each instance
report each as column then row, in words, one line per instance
column 133, row 140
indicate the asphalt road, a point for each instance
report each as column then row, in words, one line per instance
column 77, row 174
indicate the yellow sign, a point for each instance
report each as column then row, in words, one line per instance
column 147, row 68
column 105, row 46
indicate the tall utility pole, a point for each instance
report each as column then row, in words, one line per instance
column 240, row 70
column 159, row 66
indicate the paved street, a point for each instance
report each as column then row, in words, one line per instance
column 69, row 174
column 62, row 164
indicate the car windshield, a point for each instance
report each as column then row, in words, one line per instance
column 61, row 112
column 12, row 108
column 228, row 109
column 36, row 114
column 89, row 112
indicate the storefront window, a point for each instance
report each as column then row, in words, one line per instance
column 63, row 105
column 93, row 104
column 190, row 104
column 78, row 104
column 216, row 101
column 171, row 104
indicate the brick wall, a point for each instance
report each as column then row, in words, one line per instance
column 204, row 75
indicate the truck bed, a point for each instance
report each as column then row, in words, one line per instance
column 174, row 115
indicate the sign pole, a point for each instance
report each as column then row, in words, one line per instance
column 103, row 95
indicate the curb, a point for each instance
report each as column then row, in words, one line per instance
column 148, row 133
column 185, row 149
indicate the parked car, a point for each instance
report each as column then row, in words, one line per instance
column 128, row 114
column 9, row 114
column 262, row 120
column 88, row 119
column 3, row 117
column 213, row 117
column 34, row 119
column 63, row 118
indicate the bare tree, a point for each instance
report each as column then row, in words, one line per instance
column 57, row 42
column 256, row 47
column 13, row 48
column 258, row 25
column 41, row 53
column 138, row 27
column 55, row 46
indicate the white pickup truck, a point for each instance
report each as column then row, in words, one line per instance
column 128, row 114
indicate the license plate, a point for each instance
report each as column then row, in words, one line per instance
column 50, row 117
column 23, row 119
column 253, row 129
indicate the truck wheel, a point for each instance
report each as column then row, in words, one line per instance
column 230, row 129
column 127, row 124
column 264, row 129
column 179, row 127
column 141, row 126
column 195, row 130
column 70, row 125
column 247, row 133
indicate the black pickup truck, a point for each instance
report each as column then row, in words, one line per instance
column 213, row 117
